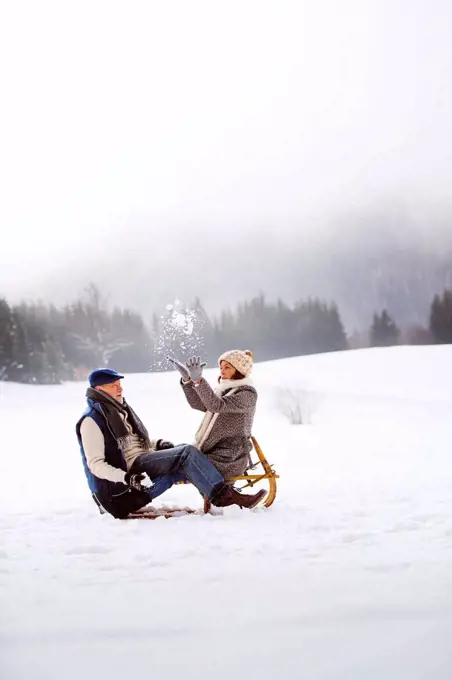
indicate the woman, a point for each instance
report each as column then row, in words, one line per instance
column 225, row 431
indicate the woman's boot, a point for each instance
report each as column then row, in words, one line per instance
column 230, row 496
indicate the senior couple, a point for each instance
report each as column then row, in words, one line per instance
column 117, row 451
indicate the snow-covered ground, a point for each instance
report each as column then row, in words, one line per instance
column 347, row 577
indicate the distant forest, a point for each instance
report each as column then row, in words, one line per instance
column 43, row 344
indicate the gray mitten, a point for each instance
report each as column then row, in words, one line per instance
column 179, row 366
column 195, row 368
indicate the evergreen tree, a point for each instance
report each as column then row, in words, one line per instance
column 319, row 327
column 6, row 339
column 273, row 331
column 441, row 318
column 43, row 344
column 35, row 357
column 384, row 331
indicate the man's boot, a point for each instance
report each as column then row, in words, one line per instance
column 230, row 496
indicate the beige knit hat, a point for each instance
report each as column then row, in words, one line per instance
column 242, row 360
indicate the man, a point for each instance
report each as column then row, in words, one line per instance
column 116, row 451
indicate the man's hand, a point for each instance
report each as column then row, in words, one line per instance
column 163, row 444
column 134, row 480
column 195, row 368
column 179, row 366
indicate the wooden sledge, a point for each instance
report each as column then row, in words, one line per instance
column 251, row 477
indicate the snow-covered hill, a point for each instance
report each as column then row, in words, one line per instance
column 346, row 577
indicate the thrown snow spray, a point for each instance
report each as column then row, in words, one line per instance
column 180, row 334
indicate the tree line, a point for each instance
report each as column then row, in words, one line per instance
column 43, row 344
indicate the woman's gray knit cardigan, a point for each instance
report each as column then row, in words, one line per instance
column 224, row 434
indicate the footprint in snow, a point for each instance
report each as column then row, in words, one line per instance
column 65, row 511
column 430, row 518
column 150, row 561
column 354, row 538
column 88, row 550
column 408, row 525
column 387, row 568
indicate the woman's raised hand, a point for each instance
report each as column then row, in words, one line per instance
column 195, row 368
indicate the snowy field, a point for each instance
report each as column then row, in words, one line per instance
column 347, row 577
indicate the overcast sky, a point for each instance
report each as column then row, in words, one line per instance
column 130, row 122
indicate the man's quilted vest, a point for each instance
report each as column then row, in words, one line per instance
column 116, row 498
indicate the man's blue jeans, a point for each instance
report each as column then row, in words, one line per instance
column 184, row 461
column 165, row 482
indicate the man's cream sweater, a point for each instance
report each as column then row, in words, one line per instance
column 94, row 448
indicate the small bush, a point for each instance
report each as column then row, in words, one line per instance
column 295, row 404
